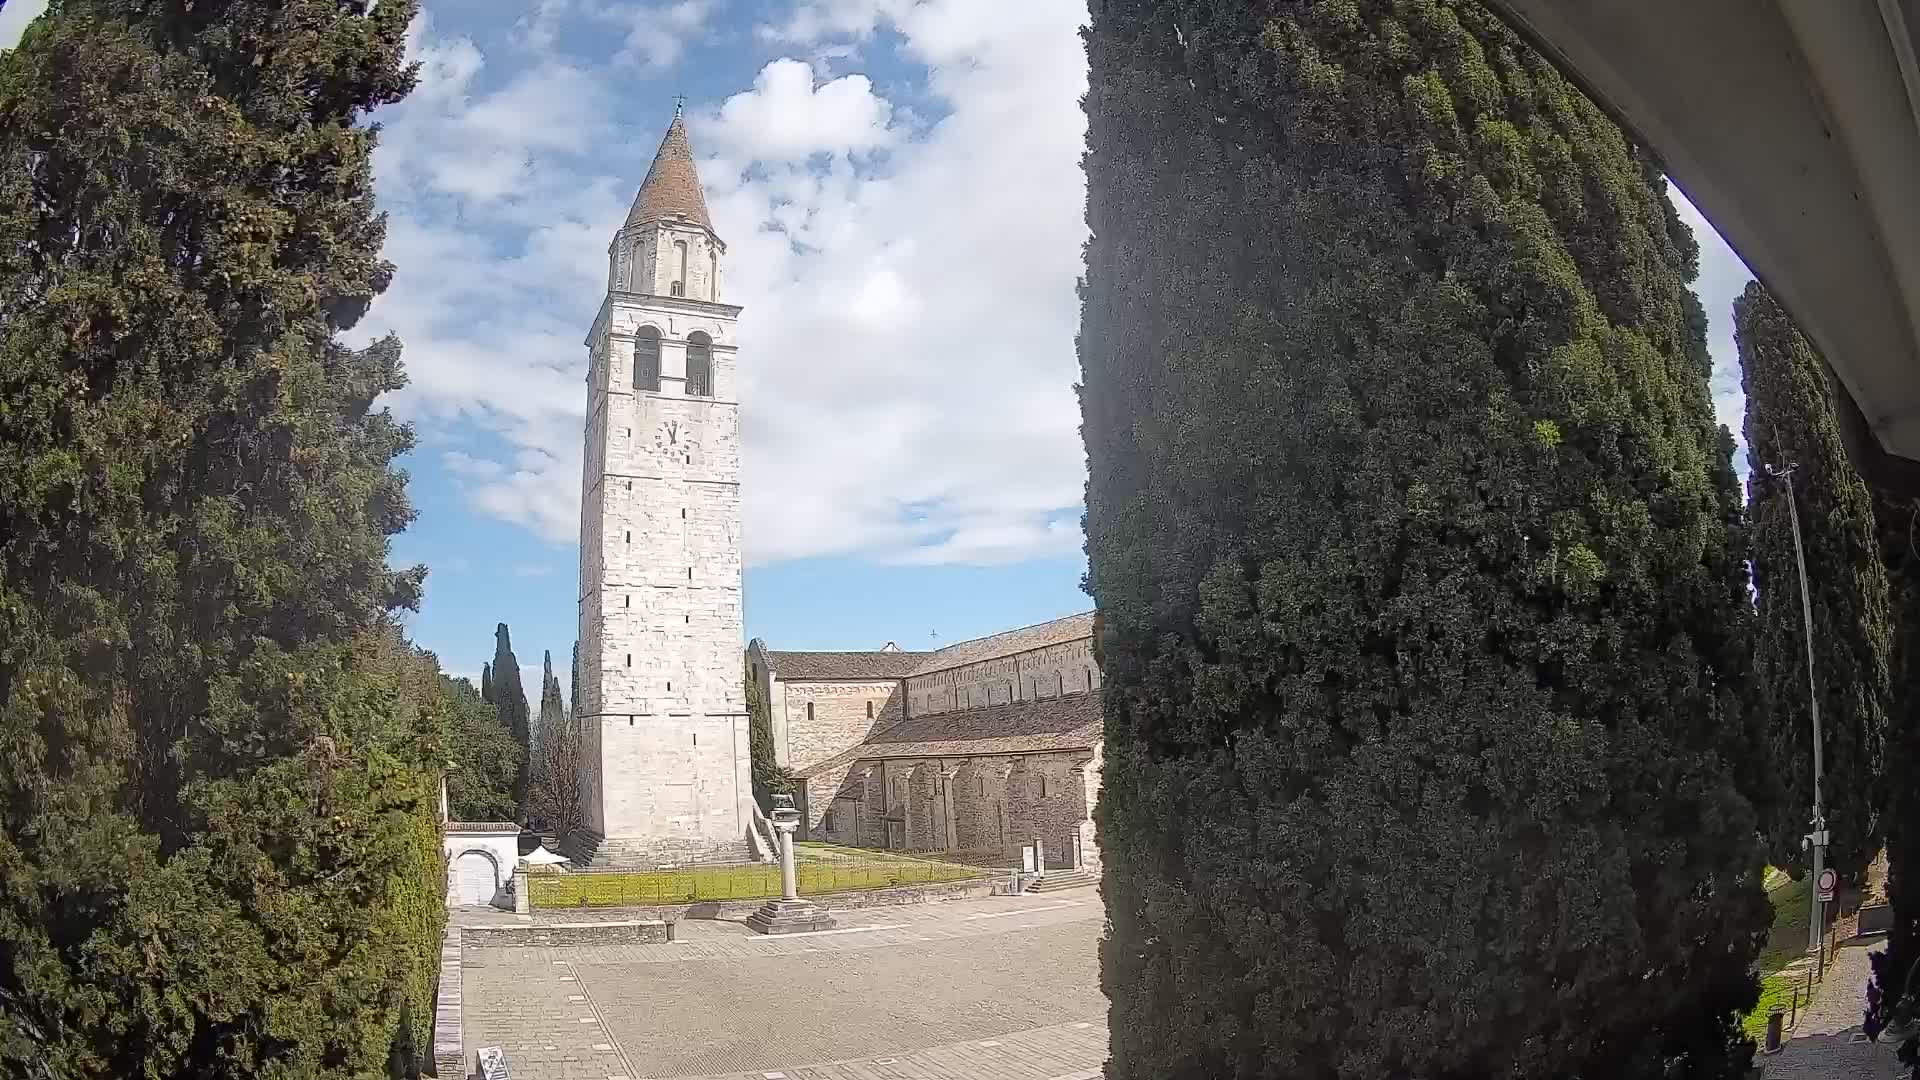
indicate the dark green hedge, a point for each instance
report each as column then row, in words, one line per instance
column 1790, row 418
column 1419, row 559
column 218, row 759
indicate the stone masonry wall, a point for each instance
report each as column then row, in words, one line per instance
column 1028, row 676
column 821, row 719
column 998, row 804
column 661, row 614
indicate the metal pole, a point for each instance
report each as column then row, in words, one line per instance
column 1818, row 840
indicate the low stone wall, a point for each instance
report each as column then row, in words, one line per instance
column 449, row 1038
column 609, row 932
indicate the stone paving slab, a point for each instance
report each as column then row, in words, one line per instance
column 1003, row 987
column 1073, row 1051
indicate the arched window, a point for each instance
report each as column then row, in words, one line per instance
column 646, row 360
column 699, row 365
column 679, row 268
column 713, row 275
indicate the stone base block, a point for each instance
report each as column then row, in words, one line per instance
column 789, row 917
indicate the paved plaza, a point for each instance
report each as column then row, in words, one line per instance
column 1002, row 987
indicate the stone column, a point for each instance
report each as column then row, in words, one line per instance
column 791, row 913
column 948, row 771
column 789, row 889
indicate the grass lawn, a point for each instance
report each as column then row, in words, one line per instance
column 1786, row 942
column 818, row 868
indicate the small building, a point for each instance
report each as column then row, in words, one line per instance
column 481, row 856
column 977, row 749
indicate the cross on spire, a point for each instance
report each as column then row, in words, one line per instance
column 679, row 102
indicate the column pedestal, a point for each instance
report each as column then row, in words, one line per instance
column 789, row 917
column 790, row 914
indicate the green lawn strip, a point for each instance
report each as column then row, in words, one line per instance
column 1789, row 900
column 750, row 881
column 1790, row 907
column 1776, row 988
column 826, row 851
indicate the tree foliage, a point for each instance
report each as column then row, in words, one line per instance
column 217, row 843
column 511, row 702
column 1791, row 419
column 552, row 708
column 1896, row 970
column 769, row 777
column 553, row 792
column 482, row 754
column 1419, row 561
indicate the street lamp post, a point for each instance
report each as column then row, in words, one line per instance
column 1816, row 841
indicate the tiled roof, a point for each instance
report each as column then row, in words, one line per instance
column 672, row 187
column 960, row 654
column 1072, row 722
column 802, row 666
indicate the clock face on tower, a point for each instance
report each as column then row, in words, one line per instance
column 673, row 439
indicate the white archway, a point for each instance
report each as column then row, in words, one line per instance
column 476, row 878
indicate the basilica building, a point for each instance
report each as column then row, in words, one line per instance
column 978, row 749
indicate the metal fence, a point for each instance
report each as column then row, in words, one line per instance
column 818, row 869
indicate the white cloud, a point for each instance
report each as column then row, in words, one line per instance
column 787, row 118
column 907, row 346
column 657, row 33
column 914, row 321
column 15, row 16
column 815, row 20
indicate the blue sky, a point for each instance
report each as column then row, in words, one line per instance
column 899, row 185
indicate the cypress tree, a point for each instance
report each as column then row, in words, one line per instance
column 769, row 778
column 573, row 687
column 486, row 683
column 1790, row 419
column 511, row 702
column 218, row 854
column 1896, row 982
column 553, row 797
column 1419, row 561
column 552, row 710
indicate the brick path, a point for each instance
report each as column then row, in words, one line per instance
column 1006, row 987
column 1826, row 1043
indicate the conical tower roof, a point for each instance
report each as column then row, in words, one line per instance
column 672, row 187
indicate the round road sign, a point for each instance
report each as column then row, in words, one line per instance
column 1828, row 879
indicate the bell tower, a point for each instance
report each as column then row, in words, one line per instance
column 665, row 770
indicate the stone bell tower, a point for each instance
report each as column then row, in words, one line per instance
column 663, row 714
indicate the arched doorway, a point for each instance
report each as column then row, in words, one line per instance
column 476, row 879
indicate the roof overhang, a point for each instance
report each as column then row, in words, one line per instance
column 1794, row 126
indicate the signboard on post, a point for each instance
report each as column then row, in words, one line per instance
column 1026, row 858
column 1825, row 886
